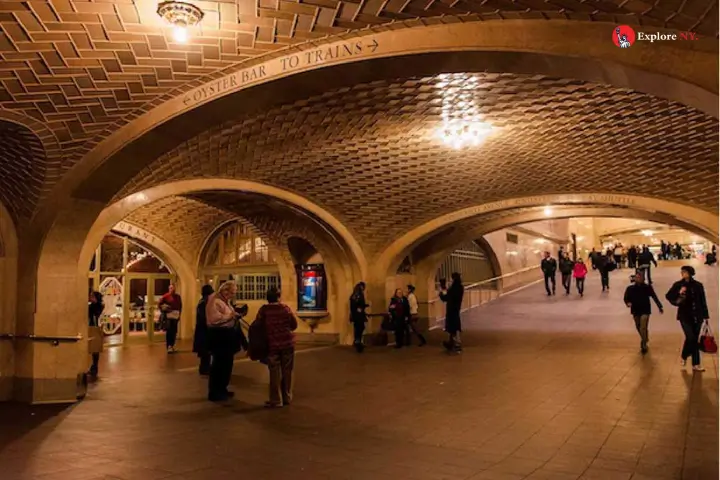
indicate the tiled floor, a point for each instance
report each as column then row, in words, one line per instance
column 546, row 389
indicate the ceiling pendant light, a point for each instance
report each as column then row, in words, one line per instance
column 181, row 16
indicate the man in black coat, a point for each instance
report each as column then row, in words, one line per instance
column 645, row 260
column 637, row 298
column 548, row 265
column 200, row 342
column 566, row 268
column 689, row 296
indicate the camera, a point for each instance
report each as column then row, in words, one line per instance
column 241, row 310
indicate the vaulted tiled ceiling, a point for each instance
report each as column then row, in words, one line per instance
column 80, row 67
column 371, row 156
column 185, row 222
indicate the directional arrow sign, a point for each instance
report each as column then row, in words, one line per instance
column 374, row 45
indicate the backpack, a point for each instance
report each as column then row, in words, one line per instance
column 258, row 344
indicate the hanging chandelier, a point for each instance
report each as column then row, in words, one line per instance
column 181, row 16
column 462, row 123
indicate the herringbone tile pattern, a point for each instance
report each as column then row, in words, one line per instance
column 81, row 68
column 371, row 155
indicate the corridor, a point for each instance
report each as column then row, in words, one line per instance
column 547, row 388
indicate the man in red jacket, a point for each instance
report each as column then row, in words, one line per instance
column 279, row 322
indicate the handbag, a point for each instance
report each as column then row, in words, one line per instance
column 387, row 324
column 706, row 341
column 173, row 315
column 258, row 344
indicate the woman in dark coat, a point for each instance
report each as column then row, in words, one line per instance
column 453, row 297
column 200, row 343
column 399, row 314
column 358, row 316
column 689, row 296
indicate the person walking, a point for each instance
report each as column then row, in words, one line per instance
column 95, row 310
column 399, row 310
column 170, row 305
column 593, row 257
column 280, row 323
column 637, row 298
column 453, row 298
column 200, row 340
column 605, row 266
column 632, row 254
column 548, row 265
column 645, row 261
column 566, row 271
column 689, row 296
column 358, row 316
column 222, row 340
column 414, row 306
column 579, row 273
column 617, row 255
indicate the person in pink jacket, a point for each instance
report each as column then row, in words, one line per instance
column 579, row 273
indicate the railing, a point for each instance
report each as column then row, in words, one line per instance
column 53, row 339
column 480, row 293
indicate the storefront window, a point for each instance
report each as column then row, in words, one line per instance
column 131, row 279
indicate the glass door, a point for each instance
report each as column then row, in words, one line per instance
column 140, row 309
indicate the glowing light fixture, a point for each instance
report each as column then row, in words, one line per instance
column 547, row 211
column 647, row 233
column 462, row 123
column 181, row 16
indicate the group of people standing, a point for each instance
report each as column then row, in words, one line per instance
column 219, row 337
column 402, row 315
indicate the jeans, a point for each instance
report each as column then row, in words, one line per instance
column 205, row 362
column 280, row 366
column 690, row 347
column 358, row 330
column 641, row 324
column 222, row 342
column 95, row 361
column 171, row 332
column 412, row 329
column 566, row 279
column 400, row 332
column 580, row 283
column 550, row 278
column 605, row 279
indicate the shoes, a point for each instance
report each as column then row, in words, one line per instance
column 643, row 348
column 423, row 342
column 171, row 349
column 683, row 362
column 698, row 368
column 229, row 394
column 218, row 398
column 273, row 405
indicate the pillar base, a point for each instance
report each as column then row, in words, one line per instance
column 49, row 390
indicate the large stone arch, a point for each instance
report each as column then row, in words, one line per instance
column 680, row 72
column 186, row 279
column 8, row 296
column 433, row 249
column 701, row 221
column 57, row 272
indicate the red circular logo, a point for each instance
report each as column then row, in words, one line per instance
column 623, row 36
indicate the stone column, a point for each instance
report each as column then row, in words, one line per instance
column 8, row 296
column 52, row 301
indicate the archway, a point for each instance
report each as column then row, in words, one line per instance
column 496, row 215
column 524, row 46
